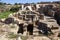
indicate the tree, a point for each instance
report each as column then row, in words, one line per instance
column 16, row 3
column 14, row 9
column 8, row 4
column 1, row 3
column 4, row 3
column 19, row 3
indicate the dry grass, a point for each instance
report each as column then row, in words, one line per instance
column 11, row 35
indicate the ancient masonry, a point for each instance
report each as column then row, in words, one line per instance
column 41, row 24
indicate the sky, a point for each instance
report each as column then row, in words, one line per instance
column 25, row 1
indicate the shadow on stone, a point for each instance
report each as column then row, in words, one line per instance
column 43, row 27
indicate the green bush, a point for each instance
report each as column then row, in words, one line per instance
column 14, row 9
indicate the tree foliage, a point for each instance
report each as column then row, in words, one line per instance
column 14, row 9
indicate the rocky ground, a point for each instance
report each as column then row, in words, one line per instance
column 9, row 32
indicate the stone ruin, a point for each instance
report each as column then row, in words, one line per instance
column 57, row 16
